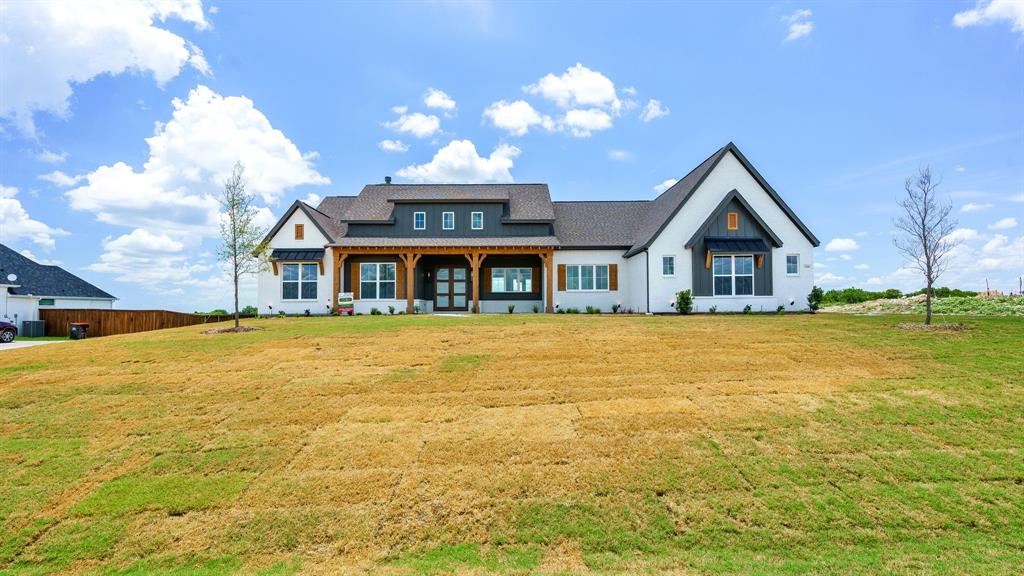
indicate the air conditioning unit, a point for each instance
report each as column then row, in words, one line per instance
column 33, row 328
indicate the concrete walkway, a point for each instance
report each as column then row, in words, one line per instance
column 28, row 344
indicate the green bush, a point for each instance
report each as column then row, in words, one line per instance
column 249, row 310
column 684, row 302
column 375, row 312
column 391, row 310
column 945, row 292
column 616, row 308
column 713, row 309
column 856, row 296
column 572, row 310
column 747, row 309
column 511, row 308
column 814, row 299
column 593, row 310
column 536, row 309
column 781, row 309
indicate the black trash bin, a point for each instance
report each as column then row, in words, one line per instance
column 79, row 330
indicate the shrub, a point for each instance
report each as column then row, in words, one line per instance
column 593, row 310
column 375, row 312
column 814, row 299
column 746, row 309
column 416, row 309
column 713, row 309
column 280, row 313
column 946, row 292
column 559, row 311
column 476, row 309
column 249, row 310
column 684, row 302
column 781, row 309
column 616, row 308
column 391, row 310
column 572, row 310
column 511, row 308
column 536, row 309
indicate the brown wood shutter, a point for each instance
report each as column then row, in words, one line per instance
column 732, row 221
column 354, row 266
column 399, row 280
column 485, row 280
column 300, row 231
column 535, row 279
column 561, row 277
column 613, row 277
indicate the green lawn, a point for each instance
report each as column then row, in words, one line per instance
column 551, row 444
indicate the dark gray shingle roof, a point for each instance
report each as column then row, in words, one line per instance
column 527, row 202
column 297, row 255
column 43, row 280
column 595, row 224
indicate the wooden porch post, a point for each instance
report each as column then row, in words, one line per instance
column 339, row 262
column 475, row 259
column 549, row 258
column 410, row 259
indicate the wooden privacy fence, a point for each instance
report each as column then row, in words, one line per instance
column 110, row 322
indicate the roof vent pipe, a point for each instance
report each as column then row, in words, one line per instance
column 387, row 179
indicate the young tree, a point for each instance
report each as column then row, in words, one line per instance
column 924, row 231
column 241, row 237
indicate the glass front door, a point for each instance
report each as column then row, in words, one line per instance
column 450, row 288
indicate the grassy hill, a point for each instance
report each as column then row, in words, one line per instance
column 527, row 444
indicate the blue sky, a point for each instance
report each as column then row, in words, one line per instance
column 120, row 121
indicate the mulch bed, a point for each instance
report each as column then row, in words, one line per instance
column 232, row 329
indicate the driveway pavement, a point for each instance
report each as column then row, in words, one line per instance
column 28, row 344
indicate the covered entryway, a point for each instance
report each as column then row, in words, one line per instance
column 451, row 288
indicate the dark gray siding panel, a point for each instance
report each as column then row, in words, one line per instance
column 493, row 226
column 718, row 227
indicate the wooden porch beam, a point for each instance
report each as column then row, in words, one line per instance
column 548, row 257
column 410, row 259
column 339, row 263
column 475, row 259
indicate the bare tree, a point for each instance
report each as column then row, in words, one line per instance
column 925, row 229
column 241, row 237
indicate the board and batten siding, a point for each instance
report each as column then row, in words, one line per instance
column 703, row 277
column 493, row 212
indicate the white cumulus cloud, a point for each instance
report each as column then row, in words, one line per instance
column 51, row 157
column 963, row 235
column 992, row 11
column 458, row 162
column 58, row 178
column 517, row 117
column 842, row 245
column 830, row 279
column 653, row 110
column 1004, row 224
column 393, row 146
column 50, row 46
column 583, row 123
column 665, row 185
column 861, row 267
column 418, row 124
column 578, row 86
column 800, row 24
column 15, row 222
column 435, row 98
column 975, row 207
column 620, row 155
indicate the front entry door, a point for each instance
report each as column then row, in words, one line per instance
column 450, row 288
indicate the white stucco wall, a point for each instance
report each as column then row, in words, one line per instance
column 19, row 308
column 730, row 174
column 602, row 299
column 268, row 290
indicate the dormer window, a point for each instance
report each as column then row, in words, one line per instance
column 448, row 220
column 300, row 231
column 477, row 220
column 419, row 220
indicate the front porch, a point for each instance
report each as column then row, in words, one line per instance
column 445, row 279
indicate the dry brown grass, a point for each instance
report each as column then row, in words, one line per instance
column 352, row 447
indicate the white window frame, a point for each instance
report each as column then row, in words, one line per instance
column 299, row 282
column 444, row 220
column 733, row 275
column 673, row 258
column 415, row 215
column 797, row 273
column 472, row 220
column 518, row 270
column 593, row 272
column 377, row 282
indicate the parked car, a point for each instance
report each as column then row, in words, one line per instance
column 8, row 332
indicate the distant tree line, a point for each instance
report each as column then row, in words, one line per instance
column 858, row 295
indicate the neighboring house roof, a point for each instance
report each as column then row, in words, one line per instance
column 596, row 224
column 667, row 205
column 44, row 280
column 527, row 202
column 468, row 242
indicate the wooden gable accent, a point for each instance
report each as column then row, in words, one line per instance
column 300, row 231
column 613, row 277
column 733, row 220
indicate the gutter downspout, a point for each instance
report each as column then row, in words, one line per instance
column 647, row 278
